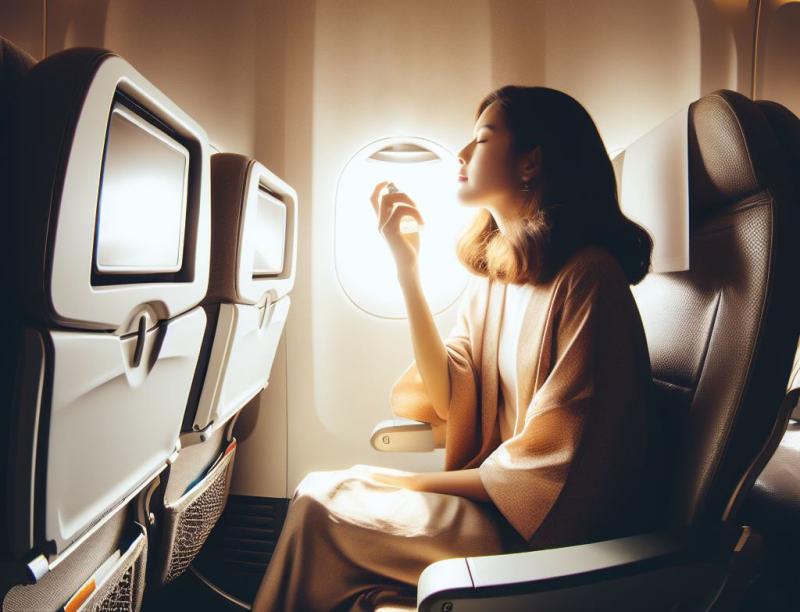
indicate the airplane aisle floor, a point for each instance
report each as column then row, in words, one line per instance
column 187, row 593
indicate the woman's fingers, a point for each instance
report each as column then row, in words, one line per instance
column 389, row 203
column 379, row 201
column 375, row 197
column 398, row 212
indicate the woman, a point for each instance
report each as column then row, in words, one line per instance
column 538, row 392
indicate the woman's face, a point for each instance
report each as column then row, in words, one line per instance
column 488, row 175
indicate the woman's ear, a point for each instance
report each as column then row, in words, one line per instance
column 530, row 165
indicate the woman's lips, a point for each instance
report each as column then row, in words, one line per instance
column 462, row 178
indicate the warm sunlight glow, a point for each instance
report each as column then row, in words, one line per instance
column 364, row 264
column 360, row 505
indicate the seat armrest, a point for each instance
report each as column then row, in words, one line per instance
column 403, row 435
column 651, row 569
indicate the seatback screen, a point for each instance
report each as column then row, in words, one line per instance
column 269, row 231
column 142, row 205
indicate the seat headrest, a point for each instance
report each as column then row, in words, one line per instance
column 254, row 232
column 732, row 152
column 99, row 250
column 786, row 127
column 14, row 64
column 698, row 162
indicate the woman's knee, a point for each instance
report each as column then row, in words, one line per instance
column 308, row 501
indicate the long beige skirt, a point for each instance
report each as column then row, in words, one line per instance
column 352, row 543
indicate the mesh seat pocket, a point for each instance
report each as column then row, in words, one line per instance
column 188, row 521
column 122, row 590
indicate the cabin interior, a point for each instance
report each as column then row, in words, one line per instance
column 161, row 405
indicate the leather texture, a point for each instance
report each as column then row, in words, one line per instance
column 228, row 180
column 773, row 505
column 721, row 351
column 775, row 499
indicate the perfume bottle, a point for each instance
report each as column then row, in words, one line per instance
column 408, row 225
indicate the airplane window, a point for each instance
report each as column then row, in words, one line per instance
column 427, row 172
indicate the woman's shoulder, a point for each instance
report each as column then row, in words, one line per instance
column 591, row 268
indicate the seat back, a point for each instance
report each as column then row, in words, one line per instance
column 253, row 255
column 14, row 66
column 113, row 261
column 787, row 130
column 722, row 334
column 253, row 259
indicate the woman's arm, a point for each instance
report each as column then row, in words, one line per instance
column 429, row 349
column 465, row 483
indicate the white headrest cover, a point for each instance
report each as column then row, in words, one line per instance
column 655, row 190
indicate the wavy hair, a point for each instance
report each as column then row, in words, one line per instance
column 579, row 204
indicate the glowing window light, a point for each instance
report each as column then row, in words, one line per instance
column 365, row 268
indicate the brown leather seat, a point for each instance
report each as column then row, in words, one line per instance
column 722, row 349
column 773, row 510
column 773, row 505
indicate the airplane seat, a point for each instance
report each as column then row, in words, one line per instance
column 111, row 265
column 773, row 505
column 253, row 258
column 721, row 337
column 14, row 66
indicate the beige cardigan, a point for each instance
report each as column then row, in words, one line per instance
column 573, row 468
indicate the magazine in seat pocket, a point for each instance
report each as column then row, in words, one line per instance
column 118, row 583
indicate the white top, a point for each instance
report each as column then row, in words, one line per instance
column 516, row 302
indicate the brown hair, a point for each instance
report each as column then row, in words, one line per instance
column 579, row 204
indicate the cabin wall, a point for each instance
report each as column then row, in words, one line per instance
column 420, row 68
column 22, row 22
column 303, row 84
column 778, row 74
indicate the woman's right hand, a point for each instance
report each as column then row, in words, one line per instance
column 390, row 208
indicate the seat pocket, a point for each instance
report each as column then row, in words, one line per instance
column 188, row 521
column 121, row 585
